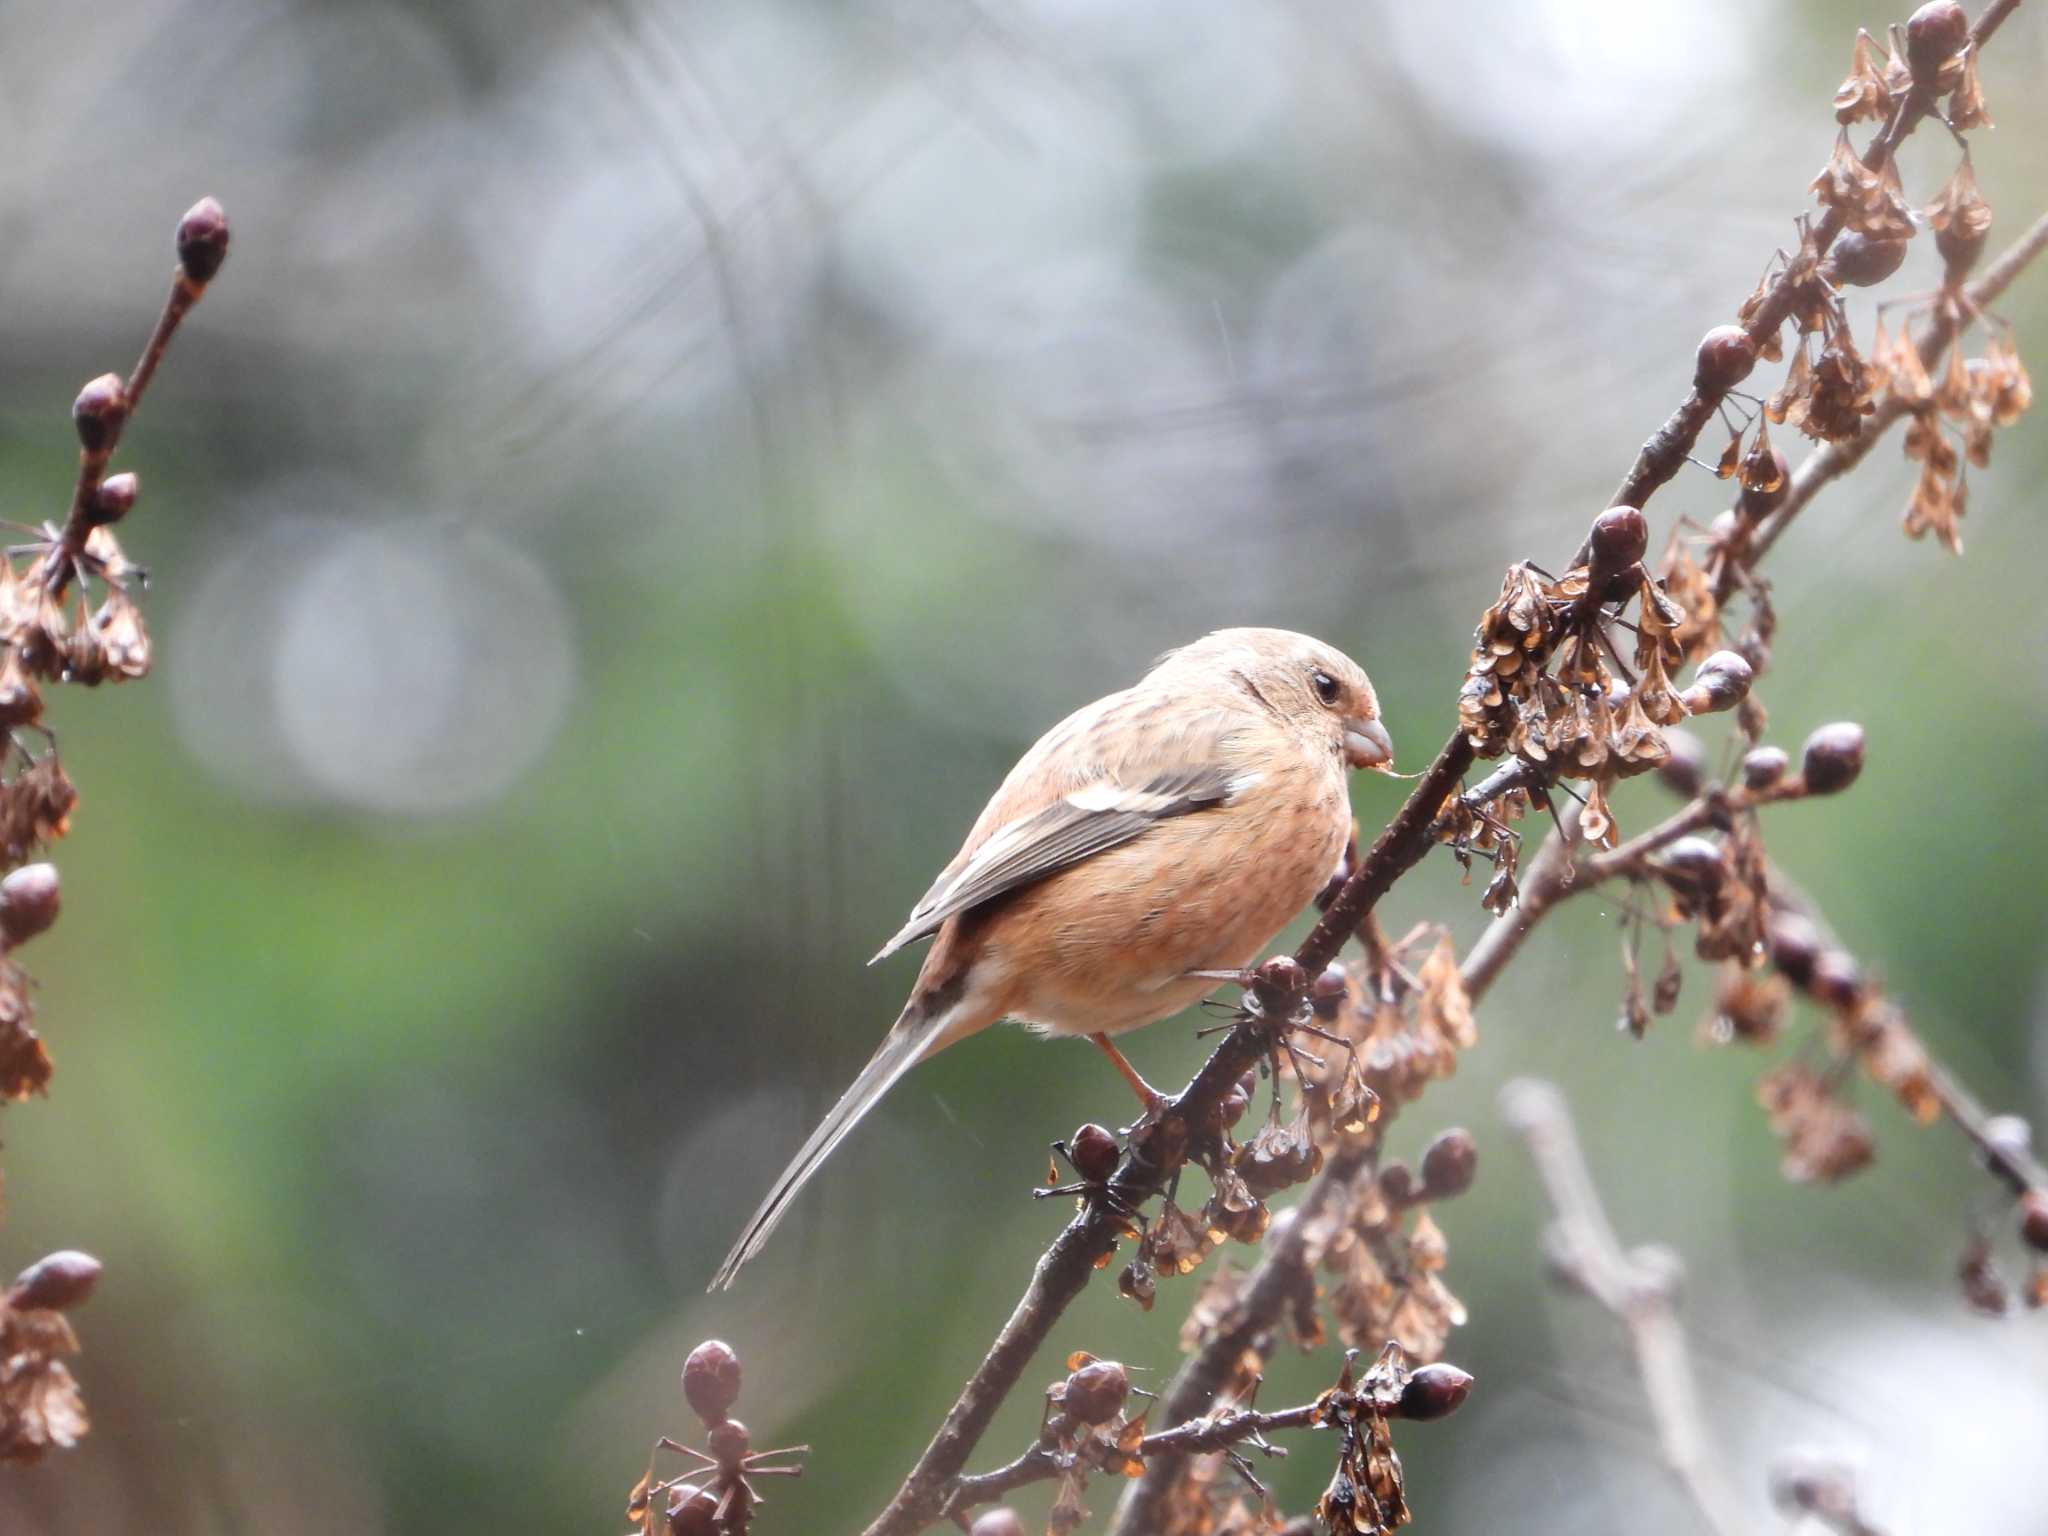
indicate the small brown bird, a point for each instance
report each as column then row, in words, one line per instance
column 1166, row 830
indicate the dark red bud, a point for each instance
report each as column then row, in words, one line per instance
column 1832, row 758
column 1280, row 980
column 29, row 899
column 1860, row 261
column 1724, row 359
column 1094, row 1152
column 1795, row 947
column 729, row 1441
column 1231, row 1107
column 1096, row 1393
column 1000, row 1521
column 1448, row 1164
column 1837, row 980
column 1397, row 1183
column 1934, row 34
column 711, row 1380
column 1434, row 1391
column 692, row 1511
column 1329, row 990
column 2034, row 1220
column 1684, row 769
column 1619, row 539
column 1692, row 864
column 114, row 500
column 1764, row 766
column 100, row 411
column 59, row 1282
column 203, row 240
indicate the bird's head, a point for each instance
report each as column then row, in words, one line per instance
column 1315, row 687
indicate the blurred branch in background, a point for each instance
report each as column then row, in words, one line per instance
column 50, row 641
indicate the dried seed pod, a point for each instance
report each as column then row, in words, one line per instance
column 29, row 899
column 1722, row 682
column 1934, row 34
column 1725, row 357
column 1832, row 758
column 1094, row 1152
column 114, row 500
column 203, row 240
column 1861, row 261
column 59, row 1281
column 100, row 411
column 1764, row 485
column 1434, row 1391
column 1449, row 1163
column 1764, row 766
column 1096, row 1393
column 711, row 1380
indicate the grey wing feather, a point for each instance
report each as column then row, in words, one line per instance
column 1078, row 826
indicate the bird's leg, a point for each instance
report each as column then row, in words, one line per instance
column 1153, row 1100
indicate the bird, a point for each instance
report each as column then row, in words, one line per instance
column 1161, row 832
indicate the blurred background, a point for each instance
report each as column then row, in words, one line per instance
column 645, row 473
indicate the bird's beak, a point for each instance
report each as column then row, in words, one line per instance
column 1367, row 745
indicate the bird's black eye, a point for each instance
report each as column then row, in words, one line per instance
column 1326, row 686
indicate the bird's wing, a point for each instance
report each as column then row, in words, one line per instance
column 1099, row 800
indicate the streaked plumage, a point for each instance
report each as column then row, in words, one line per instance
column 1174, row 827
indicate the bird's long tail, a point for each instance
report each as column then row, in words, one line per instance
column 915, row 1035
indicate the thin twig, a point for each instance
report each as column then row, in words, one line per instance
column 1639, row 1287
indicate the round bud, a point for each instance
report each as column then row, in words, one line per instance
column 1000, row 1521
column 1619, row 539
column 203, row 240
column 1280, row 978
column 1795, row 947
column 1860, row 261
column 1724, row 359
column 1096, row 1393
column 114, row 499
column 1934, row 34
column 29, row 900
column 1692, row 865
column 1684, row 769
column 2009, row 1134
column 1756, row 505
column 1722, row 682
column 1448, row 1164
column 2034, row 1220
column 1433, row 1391
column 692, row 1511
column 729, row 1441
column 100, row 411
column 1094, row 1152
column 59, row 1281
column 1836, row 979
column 1832, row 758
column 1397, row 1184
column 1328, row 991
column 1764, row 766
column 711, row 1380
